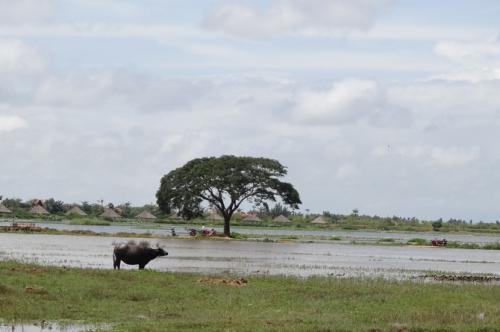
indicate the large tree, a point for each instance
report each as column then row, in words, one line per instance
column 225, row 183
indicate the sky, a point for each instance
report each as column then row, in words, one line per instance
column 391, row 107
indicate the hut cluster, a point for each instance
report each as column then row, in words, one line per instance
column 39, row 209
column 111, row 213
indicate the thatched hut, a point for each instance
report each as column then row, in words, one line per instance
column 281, row 219
column 319, row 221
column 4, row 209
column 109, row 213
column 251, row 218
column 38, row 209
column 145, row 215
column 75, row 210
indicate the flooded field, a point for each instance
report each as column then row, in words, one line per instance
column 248, row 257
column 165, row 230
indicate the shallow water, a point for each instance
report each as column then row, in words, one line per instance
column 248, row 257
column 165, row 229
column 49, row 326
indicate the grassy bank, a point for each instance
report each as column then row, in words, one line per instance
column 154, row 301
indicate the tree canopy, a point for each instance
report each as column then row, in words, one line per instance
column 225, row 183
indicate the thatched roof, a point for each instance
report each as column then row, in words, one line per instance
column 145, row 215
column 281, row 218
column 251, row 217
column 3, row 209
column 76, row 211
column 319, row 220
column 36, row 201
column 109, row 213
column 38, row 209
column 214, row 216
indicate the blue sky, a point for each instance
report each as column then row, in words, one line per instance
column 387, row 106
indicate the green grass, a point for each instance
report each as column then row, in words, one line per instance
column 492, row 246
column 418, row 241
column 486, row 246
column 155, row 301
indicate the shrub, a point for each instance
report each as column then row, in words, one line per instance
column 418, row 241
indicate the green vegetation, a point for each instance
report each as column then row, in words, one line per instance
column 132, row 300
column 235, row 235
column 486, row 246
column 335, row 238
column 224, row 183
column 418, row 241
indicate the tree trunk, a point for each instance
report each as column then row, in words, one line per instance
column 227, row 231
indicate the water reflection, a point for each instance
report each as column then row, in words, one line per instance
column 244, row 257
column 50, row 326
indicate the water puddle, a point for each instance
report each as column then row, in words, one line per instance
column 50, row 326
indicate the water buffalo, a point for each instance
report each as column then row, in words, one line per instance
column 135, row 254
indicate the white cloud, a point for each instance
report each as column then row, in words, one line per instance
column 435, row 156
column 453, row 156
column 345, row 171
column 161, row 32
column 473, row 61
column 462, row 51
column 292, row 16
column 11, row 123
column 18, row 57
column 410, row 32
column 118, row 89
column 380, row 151
column 25, row 11
column 449, row 102
column 347, row 101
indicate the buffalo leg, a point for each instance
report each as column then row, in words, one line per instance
column 141, row 266
column 116, row 263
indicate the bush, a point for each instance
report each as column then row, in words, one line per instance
column 235, row 235
column 492, row 246
column 436, row 225
column 418, row 241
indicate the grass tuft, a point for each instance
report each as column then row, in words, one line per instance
column 418, row 241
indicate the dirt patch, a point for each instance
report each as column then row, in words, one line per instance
column 35, row 290
column 28, row 270
column 463, row 278
column 222, row 281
